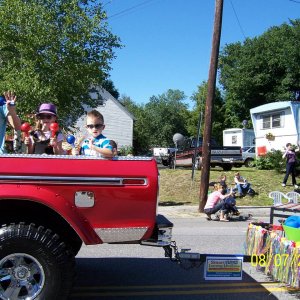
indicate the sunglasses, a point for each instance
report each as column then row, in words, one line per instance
column 44, row 116
column 96, row 126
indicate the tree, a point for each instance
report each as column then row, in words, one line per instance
column 166, row 115
column 199, row 99
column 260, row 70
column 54, row 51
column 158, row 120
column 109, row 86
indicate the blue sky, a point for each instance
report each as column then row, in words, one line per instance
column 167, row 43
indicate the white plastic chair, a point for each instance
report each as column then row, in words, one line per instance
column 277, row 197
column 293, row 197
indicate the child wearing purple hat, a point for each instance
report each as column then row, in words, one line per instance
column 42, row 140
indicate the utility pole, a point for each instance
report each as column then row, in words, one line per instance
column 204, row 182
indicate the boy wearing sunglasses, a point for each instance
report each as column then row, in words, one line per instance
column 97, row 144
column 42, row 140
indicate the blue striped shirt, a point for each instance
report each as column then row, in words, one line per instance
column 100, row 141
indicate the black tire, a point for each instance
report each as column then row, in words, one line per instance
column 34, row 263
column 227, row 167
column 238, row 166
column 165, row 162
column 249, row 163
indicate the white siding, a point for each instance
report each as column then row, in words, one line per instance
column 119, row 125
column 238, row 137
column 287, row 133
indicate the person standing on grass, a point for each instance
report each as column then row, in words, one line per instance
column 290, row 155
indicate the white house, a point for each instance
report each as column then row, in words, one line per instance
column 276, row 124
column 242, row 137
column 117, row 119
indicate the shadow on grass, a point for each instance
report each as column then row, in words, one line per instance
column 173, row 203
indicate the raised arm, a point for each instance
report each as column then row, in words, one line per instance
column 12, row 116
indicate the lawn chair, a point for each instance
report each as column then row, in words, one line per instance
column 293, row 197
column 277, row 197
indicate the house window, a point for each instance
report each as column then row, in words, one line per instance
column 272, row 121
column 276, row 121
column 234, row 140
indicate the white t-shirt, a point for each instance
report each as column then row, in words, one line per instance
column 46, row 136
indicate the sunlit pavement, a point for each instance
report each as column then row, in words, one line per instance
column 138, row 272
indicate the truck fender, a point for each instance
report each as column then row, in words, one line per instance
column 64, row 207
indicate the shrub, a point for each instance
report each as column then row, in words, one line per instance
column 125, row 150
column 271, row 161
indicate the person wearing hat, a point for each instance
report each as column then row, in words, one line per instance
column 42, row 140
column 7, row 114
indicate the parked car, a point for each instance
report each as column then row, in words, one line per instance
column 249, row 156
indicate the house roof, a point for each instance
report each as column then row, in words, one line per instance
column 106, row 95
column 237, row 129
column 273, row 106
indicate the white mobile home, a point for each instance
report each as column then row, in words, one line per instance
column 238, row 137
column 276, row 124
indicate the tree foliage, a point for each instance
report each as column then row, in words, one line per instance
column 157, row 121
column 198, row 113
column 260, row 70
column 109, row 86
column 53, row 51
column 166, row 115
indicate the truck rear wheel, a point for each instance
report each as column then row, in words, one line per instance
column 249, row 163
column 227, row 167
column 34, row 264
column 165, row 162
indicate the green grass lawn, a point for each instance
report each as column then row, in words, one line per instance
column 177, row 187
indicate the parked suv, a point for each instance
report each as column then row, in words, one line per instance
column 249, row 156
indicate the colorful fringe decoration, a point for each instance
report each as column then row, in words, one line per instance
column 257, row 240
column 283, row 260
column 272, row 252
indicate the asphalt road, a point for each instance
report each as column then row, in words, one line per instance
column 140, row 272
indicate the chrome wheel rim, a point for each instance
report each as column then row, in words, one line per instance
column 22, row 277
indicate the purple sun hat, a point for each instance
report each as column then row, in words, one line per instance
column 47, row 108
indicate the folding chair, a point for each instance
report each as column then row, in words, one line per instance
column 293, row 197
column 277, row 197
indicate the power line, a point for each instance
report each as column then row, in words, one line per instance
column 238, row 20
column 129, row 9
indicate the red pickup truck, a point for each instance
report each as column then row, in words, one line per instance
column 50, row 205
